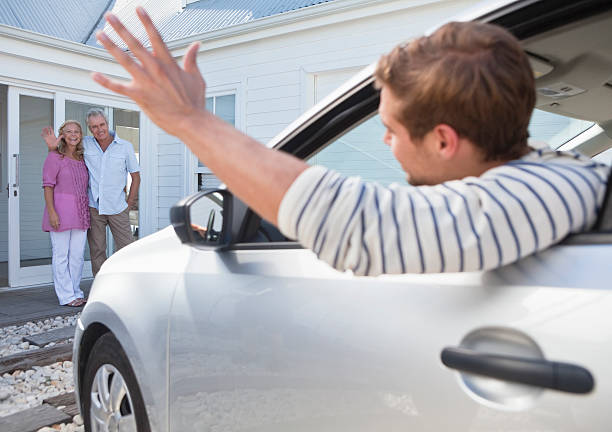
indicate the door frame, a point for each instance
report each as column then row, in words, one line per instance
column 17, row 275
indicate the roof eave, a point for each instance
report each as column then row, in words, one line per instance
column 53, row 42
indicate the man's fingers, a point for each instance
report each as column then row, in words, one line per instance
column 141, row 53
column 121, row 56
column 116, row 86
column 189, row 61
column 159, row 47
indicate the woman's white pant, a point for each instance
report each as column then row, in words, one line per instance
column 67, row 263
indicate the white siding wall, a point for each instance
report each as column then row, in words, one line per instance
column 171, row 157
column 275, row 74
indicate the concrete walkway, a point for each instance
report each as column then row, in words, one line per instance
column 18, row 306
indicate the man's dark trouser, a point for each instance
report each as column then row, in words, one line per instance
column 96, row 235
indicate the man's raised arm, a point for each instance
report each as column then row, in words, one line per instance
column 175, row 99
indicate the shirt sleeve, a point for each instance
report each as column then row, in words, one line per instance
column 51, row 169
column 461, row 225
column 131, row 161
column 372, row 229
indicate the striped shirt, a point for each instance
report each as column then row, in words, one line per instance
column 477, row 223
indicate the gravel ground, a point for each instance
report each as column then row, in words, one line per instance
column 75, row 426
column 26, row 389
column 11, row 337
column 21, row 390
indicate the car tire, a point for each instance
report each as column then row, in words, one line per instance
column 108, row 368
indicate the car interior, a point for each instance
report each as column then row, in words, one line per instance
column 571, row 56
column 573, row 70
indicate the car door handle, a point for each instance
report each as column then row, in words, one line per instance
column 553, row 375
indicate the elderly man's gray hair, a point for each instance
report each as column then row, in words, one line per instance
column 94, row 112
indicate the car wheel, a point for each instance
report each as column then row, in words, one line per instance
column 111, row 399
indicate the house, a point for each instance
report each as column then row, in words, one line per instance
column 265, row 62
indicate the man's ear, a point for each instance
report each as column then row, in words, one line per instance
column 447, row 141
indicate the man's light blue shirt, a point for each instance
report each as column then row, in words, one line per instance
column 108, row 171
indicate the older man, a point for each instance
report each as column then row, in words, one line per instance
column 456, row 106
column 109, row 159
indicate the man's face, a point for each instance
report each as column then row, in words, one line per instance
column 98, row 127
column 415, row 158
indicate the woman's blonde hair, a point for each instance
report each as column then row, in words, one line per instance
column 61, row 148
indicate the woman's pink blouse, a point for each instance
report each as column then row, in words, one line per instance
column 68, row 178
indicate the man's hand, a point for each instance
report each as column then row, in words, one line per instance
column 50, row 139
column 54, row 220
column 167, row 93
column 199, row 229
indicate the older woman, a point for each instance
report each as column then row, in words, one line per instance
column 66, row 215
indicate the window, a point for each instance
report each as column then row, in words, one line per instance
column 555, row 129
column 224, row 106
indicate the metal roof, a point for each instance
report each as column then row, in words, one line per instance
column 73, row 20
column 201, row 16
column 209, row 15
column 78, row 20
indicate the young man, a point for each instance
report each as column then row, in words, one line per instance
column 456, row 106
column 109, row 159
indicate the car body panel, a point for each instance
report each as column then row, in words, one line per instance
column 277, row 340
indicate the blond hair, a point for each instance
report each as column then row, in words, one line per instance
column 61, row 148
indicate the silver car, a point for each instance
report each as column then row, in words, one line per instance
column 219, row 323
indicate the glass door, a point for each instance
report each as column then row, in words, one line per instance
column 29, row 246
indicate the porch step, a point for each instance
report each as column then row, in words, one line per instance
column 57, row 335
column 32, row 419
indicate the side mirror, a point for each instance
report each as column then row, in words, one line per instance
column 204, row 219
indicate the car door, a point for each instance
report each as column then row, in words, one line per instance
column 273, row 339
